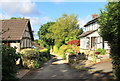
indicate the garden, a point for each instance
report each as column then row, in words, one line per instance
column 29, row 59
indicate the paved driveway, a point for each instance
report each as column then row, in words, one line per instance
column 57, row 69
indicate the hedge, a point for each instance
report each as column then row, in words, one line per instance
column 33, row 59
column 9, row 68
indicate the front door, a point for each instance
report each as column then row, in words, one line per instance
column 93, row 42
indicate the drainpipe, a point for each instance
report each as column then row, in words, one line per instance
column 103, row 44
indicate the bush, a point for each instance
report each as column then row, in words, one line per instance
column 33, row 59
column 44, row 50
column 70, row 51
column 55, row 49
column 74, row 42
column 102, row 51
column 73, row 49
column 9, row 58
column 62, row 50
column 30, row 53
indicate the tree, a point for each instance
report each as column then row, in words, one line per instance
column 17, row 18
column 65, row 26
column 9, row 57
column 109, row 22
column 46, row 42
column 72, row 38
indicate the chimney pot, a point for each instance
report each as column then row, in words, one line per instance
column 94, row 16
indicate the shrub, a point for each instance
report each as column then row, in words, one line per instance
column 33, row 59
column 29, row 53
column 55, row 49
column 76, row 49
column 30, row 57
column 44, row 50
column 102, row 51
column 74, row 42
column 9, row 58
column 62, row 50
column 70, row 51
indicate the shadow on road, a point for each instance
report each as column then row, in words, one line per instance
column 56, row 69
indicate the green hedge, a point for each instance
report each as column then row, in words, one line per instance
column 33, row 59
column 9, row 68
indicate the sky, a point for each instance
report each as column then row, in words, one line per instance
column 41, row 12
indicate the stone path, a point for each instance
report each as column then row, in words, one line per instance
column 56, row 68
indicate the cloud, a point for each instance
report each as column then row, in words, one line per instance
column 20, row 7
column 82, row 22
column 4, row 16
column 36, row 23
column 39, row 21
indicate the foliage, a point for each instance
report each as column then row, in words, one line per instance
column 70, row 51
column 65, row 26
column 9, row 58
column 29, row 53
column 43, row 50
column 102, row 51
column 62, row 50
column 45, row 42
column 76, row 49
column 17, row 18
column 110, row 31
column 74, row 42
column 33, row 59
column 72, row 38
column 55, row 49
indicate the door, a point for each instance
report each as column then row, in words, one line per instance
column 93, row 42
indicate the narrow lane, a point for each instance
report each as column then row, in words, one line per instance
column 56, row 68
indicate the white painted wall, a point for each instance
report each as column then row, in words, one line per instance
column 94, row 34
column 82, row 43
column 90, row 27
column 26, row 42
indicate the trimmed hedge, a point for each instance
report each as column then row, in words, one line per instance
column 33, row 59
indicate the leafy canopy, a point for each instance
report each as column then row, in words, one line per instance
column 109, row 22
column 17, row 18
column 65, row 26
column 46, row 42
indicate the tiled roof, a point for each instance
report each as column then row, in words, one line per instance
column 16, row 28
column 87, row 33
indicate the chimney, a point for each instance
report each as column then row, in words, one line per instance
column 94, row 16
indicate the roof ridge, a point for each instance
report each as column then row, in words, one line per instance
column 12, row 19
